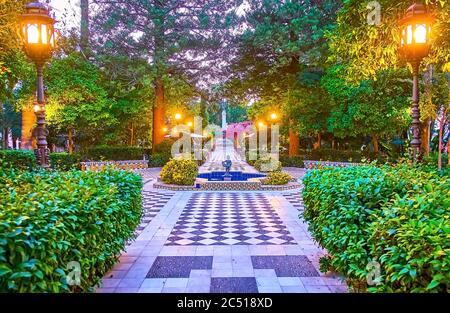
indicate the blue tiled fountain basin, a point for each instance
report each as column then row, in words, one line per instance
column 235, row 176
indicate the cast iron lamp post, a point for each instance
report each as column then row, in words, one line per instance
column 414, row 46
column 39, row 39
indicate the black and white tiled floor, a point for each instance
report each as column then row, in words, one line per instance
column 229, row 219
column 221, row 242
column 295, row 199
column 152, row 203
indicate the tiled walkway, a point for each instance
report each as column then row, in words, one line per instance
column 222, row 242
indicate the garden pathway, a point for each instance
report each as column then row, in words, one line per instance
column 221, row 242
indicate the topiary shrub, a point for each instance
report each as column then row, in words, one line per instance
column 396, row 216
column 109, row 153
column 20, row 159
column 294, row 161
column 277, row 178
column 179, row 172
column 50, row 219
column 267, row 165
column 64, row 161
column 158, row 160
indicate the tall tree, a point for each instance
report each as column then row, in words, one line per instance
column 177, row 36
column 84, row 28
column 282, row 41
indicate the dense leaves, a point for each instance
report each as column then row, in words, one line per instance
column 49, row 219
column 397, row 216
column 179, row 172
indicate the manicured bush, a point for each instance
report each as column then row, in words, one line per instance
column 20, row 159
column 332, row 155
column 267, row 165
column 158, row 160
column 294, row 161
column 179, row 172
column 277, row 178
column 108, row 153
column 397, row 216
column 64, row 161
column 49, row 219
column 165, row 147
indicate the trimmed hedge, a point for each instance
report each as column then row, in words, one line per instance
column 64, row 161
column 20, row 159
column 397, row 216
column 180, row 172
column 265, row 165
column 331, row 155
column 277, row 178
column 108, row 153
column 158, row 160
column 49, row 219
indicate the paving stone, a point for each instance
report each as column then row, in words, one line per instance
column 130, row 283
column 178, row 267
column 290, row 281
column 286, row 266
column 317, row 289
column 176, row 282
column 173, row 290
column 265, row 273
column 153, row 282
column 233, row 285
column 294, row 289
column 109, row 283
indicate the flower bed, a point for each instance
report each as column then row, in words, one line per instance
column 51, row 222
column 395, row 216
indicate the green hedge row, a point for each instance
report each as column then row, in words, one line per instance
column 332, row 156
column 20, row 159
column 111, row 153
column 396, row 216
column 50, row 219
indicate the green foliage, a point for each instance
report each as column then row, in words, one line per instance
column 373, row 107
column 295, row 161
column 49, row 219
column 110, row 153
column 10, row 17
column 397, row 216
column 371, row 48
column 18, row 159
column 179, row 172
column 77, row 99
column 265, row 164
column 64, row 161
column 158, row 160
column 277, row 178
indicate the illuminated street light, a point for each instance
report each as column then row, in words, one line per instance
column 39, row 40
column 415, row 30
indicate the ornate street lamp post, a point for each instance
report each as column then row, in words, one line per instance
column 39, row 39
column 414, row 46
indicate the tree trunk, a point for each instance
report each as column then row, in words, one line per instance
column 159, row 59
column 425, row 134
column 158, row 114
column 70, row 144
column 28, row 122
column 375, row 144
column 318, row 143
column 294, row 143
column 441, row 130
column 131, row 134
column 84, row 33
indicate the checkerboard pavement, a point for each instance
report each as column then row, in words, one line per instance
column 295, row 199
column 229, row 219
column 152, row 202
column 152, row 265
